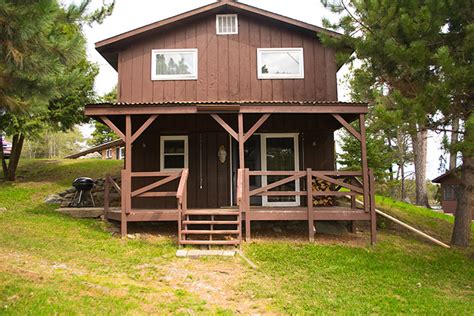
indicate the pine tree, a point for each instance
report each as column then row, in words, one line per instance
column 396, row 42
column 45, row 77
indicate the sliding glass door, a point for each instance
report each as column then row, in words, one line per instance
column 269, row 152
column 280, row 153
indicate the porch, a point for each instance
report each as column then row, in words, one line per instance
column 220, row 200
column 216, row 221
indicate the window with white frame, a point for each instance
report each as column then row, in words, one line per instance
column 108, row 153
column 173, row 152
column 280, row 63
column 122, row 153
column 227, row 24
column 174, row 64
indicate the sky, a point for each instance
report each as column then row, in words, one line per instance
column 130, row 14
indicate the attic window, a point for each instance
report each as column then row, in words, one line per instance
column 227, row 24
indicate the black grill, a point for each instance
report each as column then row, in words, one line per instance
column 83, row 186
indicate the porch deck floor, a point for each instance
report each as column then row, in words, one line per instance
column 258, row 213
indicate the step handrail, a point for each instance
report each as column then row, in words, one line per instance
column 180, row 194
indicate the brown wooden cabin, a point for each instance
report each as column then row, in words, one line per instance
column 228, row 115
column 449, row 183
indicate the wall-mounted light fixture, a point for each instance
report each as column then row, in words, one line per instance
column 222, row 154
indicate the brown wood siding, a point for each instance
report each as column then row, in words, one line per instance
column 204, row 138
column 227, row 66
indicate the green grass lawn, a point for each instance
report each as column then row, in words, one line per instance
column 54, row 264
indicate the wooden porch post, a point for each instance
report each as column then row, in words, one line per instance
column 309, row 194
column 241, row 141
column 247, row 205
column 365, row 167
column 126, row 176
column 373, row 214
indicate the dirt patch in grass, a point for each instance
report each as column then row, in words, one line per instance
column 215, row 280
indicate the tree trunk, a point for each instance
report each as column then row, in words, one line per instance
column 17, row 146
column 465, row 194
column 401, row 161
column 402, row 169
column 390, row 169
column 420, row 142
column 463, row 216
column 2, row 159
column 454, row 139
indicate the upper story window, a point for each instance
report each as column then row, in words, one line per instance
column 227, row 24
column 173, row 152
column 174, row 64
column 280, row 63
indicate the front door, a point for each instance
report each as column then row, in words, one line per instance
column 270, row 152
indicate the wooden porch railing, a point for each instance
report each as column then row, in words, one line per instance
column 181, row 196
column 109, row 184
column 342, row 183
column 146, row 191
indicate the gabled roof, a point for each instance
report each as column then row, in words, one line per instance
column 441, row 178
column 108, row 47
column 98, row 148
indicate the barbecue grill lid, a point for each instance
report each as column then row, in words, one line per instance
column 83, row 182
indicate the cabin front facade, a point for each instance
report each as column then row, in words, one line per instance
column 228, row 115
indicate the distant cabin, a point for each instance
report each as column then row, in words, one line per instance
column 113, row 150
column 449, row 184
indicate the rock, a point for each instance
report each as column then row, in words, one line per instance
column 53, row 199
column 71, row 190
column 331, row 228
column 130, row 236
column 181, row 253
column 3, row 209
column 69, row 196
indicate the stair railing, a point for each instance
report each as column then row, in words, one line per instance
column 109, row 183
column 181, row 196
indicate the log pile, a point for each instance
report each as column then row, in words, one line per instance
column 323, row 185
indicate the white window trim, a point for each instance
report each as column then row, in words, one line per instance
column 279, row 76
column 154, row 76
column 263, row 147
column 122, row 153
column 227, row 33
column 162, row 151
column 108, row 153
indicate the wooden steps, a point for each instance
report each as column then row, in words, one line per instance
column 210, row 242
column 210, row 232
column 211, row 227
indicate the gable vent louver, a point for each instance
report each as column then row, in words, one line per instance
column 227, row 24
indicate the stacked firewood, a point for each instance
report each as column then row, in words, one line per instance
column 322, row 185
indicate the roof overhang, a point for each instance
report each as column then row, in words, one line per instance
column 453, row 172
column 110, row 47
column 245, row 107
